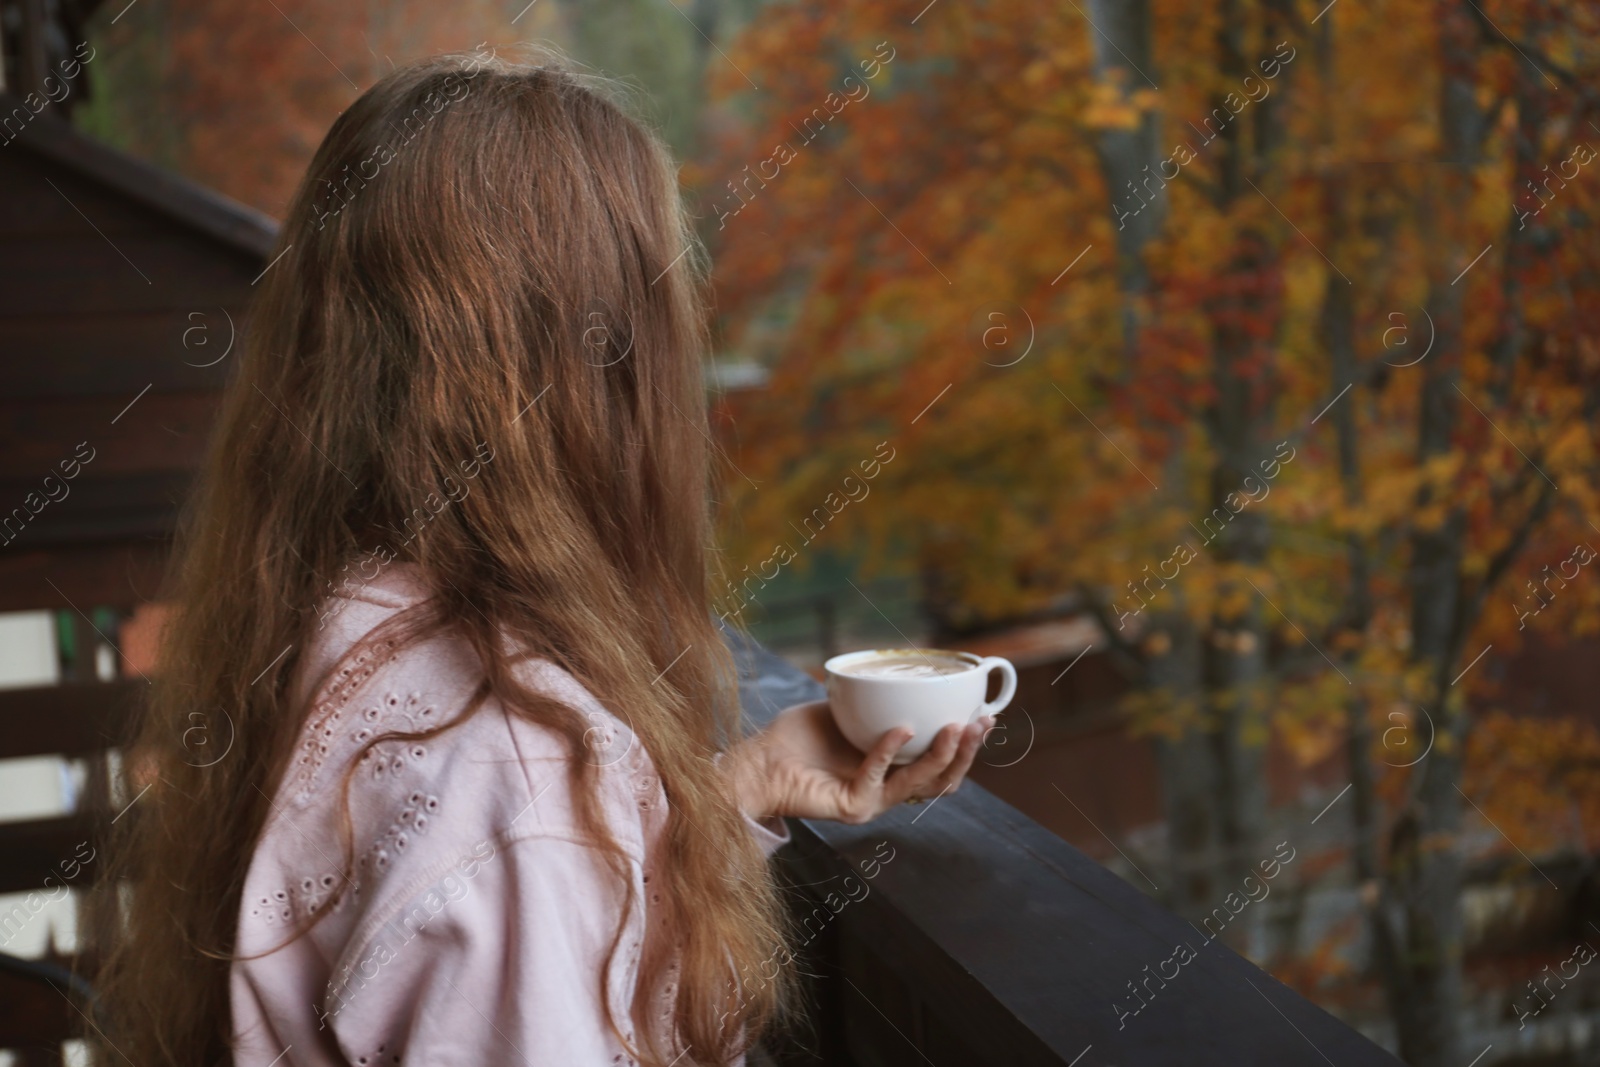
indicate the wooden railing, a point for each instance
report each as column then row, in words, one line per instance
column 41, row 1001
column 960, row 932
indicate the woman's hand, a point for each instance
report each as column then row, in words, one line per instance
column 801, row 765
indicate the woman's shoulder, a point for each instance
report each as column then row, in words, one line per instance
column 398, row 720
column 392, row 785
column 434, row 805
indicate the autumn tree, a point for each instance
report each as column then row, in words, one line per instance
column 237, row 95
column 1269, row 328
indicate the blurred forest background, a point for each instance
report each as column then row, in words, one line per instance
column 1231, row 365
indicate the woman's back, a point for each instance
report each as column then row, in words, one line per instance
column 474, row 884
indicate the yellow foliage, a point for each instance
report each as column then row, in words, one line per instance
column 1145, row 99
column 1109, row 107
column 984, row 185
column 1161, row 713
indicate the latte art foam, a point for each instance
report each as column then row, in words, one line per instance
column 907, row 667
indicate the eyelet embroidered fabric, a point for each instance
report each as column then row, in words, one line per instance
column 326, row 741
column 322, row 731
column 377, row 1057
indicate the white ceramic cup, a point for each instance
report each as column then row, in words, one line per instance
column 866, row 707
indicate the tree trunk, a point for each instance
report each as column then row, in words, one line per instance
column 1425, row 866
column 1238, row 425
column 1338, row 319
column 1213, row 785
column 1173, row 651
column 1120, row 31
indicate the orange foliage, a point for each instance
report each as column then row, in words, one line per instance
column 246, row 90
column 938, row 270
column 1540, row 781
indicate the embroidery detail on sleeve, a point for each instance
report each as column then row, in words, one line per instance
column 273, row 908
column 312, row 892
column 393, row 842
column 335, row 723
column 327, row 712
column 300, row 899
column 669, row 990
column 645, row 788
column 389, row 757
column 376, row 1057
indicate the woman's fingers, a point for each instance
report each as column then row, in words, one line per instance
column 943, row 769
column 861, row 800
column 971, row 740
column 875, row 787
column 916, row 779
column 869, row 776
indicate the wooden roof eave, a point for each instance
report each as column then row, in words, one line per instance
column 186, row 202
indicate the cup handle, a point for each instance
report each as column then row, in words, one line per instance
column 1008, row 686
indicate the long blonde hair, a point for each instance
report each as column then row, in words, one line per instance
column 482, row 254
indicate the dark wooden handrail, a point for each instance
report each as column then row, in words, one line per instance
column 986, row 939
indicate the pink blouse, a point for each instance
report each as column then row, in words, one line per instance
column 476, row 915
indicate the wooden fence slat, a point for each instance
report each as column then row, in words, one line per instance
column 36, row 850
column 68, row 720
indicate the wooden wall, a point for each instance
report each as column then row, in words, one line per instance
column 122, row 295
column 108, row 298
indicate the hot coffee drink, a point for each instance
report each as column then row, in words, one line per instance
column 873, row 691
column 907, row 666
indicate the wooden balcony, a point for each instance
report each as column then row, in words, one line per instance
column 957, row 932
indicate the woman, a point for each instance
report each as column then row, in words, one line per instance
column 443, row 592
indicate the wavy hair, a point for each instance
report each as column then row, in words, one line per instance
column 483, row 253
